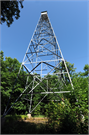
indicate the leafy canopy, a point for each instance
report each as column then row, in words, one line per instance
column 10, row 9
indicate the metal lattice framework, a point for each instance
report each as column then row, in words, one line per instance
column 42, row 58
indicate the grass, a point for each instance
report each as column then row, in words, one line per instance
column 39, row 116
column 15, row 124
column 22, row 116
column 12, row 125
column 25, row 116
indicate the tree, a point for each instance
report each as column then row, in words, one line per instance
column 8, row 10
column 86, row 69
column 71, row 116
column 9, row 70
column 84, row 74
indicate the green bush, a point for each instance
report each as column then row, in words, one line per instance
column 65, row 117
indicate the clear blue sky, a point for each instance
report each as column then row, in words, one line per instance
column 69, row 20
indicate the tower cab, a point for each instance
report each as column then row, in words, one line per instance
column 44, row 15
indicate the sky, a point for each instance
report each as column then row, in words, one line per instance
column 69, row 20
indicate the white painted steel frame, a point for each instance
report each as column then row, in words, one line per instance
column 35, row 60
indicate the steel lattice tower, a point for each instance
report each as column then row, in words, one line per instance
column 42, row 58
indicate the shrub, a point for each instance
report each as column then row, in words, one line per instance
column 65, row 118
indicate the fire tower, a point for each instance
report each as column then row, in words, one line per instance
column 42, row 58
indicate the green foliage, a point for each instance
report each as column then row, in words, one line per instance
column 67, row 116
column 37, row 110
column 9, row 71
column 39, row 116
column 86, row 69
column 10, row 9
column 70, row 68
column 23, row 116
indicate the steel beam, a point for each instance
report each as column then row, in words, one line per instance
column 43, row 49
